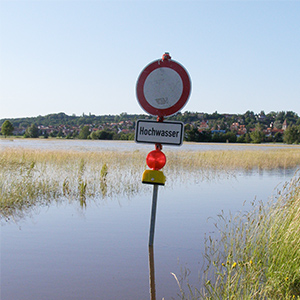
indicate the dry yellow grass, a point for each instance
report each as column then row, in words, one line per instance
column 30, row 177
column 236, row 159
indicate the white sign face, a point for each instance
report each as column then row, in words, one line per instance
column 168, row 133
column 163, row 88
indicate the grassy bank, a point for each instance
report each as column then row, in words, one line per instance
column 34, row 177
column 255, row 255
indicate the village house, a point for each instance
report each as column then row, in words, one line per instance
column 241, row 130
column 203, row 126
column 18, row 131
column 284, row 125
column 234, row 126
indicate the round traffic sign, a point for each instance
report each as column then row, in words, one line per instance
column 163, row 87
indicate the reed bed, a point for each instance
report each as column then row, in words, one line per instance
column 30, row 178
column 255, row 255
column 235, row 159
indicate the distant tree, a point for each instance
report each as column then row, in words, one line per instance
column 131, row 136
column 187, row 127
column 249, row 122
column 69, row 135
column 215, row 115
column 222, row 125
column 7, row 128
column 94, row 135
column 241, row 139
column 105, row 135
column 230, row 137
column 205, row 116
column 217, row 138
column 60, row 133
column 74, row 134
column 53, row 133
column 247, row 138
column 224, row 137
column 84, row 132
column 280, row 116
column 270, row 117
column 121, row 136
column 292, row 135
column 257, row 136
column 195, row 136
column 191, row 135
column 204, row 136
column 291, row 117
column 249, row 116
column 278, row 137
column 32, row 131
column 244, row 138
column 277, row 124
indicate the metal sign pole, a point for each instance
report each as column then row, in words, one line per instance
column 153, row 214
column 162, row 89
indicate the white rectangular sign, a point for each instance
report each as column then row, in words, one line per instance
column 168, row 133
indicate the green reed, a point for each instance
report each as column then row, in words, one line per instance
column 254, row 255
column 103, row 180
column 30, row 178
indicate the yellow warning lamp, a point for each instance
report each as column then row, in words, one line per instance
column 155, row 160
column 154, row 177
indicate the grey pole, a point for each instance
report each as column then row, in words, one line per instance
column 153, row 214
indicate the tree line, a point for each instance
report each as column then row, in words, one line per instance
column 199, row 127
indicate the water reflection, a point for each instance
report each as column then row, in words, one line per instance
column 24, row 195
column 25, row 186
column 99, row 252
column 152, row 274
column 88, row 145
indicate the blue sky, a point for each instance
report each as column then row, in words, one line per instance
column 85, row 56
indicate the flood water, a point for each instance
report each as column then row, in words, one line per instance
column 96, row 145
column 65, row 251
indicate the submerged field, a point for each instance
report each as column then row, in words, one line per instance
column 30, row 177
column 257, row 257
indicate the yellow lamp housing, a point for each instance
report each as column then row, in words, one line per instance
column 153, row 177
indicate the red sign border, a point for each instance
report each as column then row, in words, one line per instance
column 177, row 67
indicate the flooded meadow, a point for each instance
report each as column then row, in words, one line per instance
column 75, row 215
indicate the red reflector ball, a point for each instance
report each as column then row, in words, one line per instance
column 156, row 160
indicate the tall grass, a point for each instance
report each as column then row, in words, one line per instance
column 35, row 177
column 235, row 159
column 255, row 255
column 30, row 178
